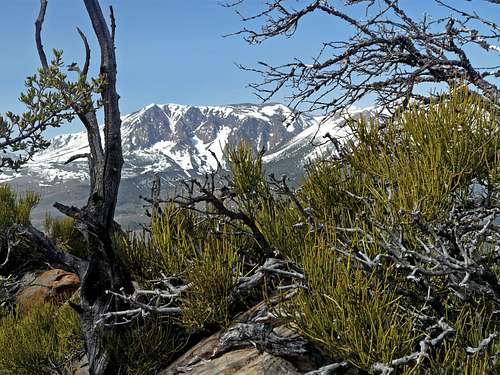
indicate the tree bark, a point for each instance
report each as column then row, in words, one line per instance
column 102, row 270
column 105, row 270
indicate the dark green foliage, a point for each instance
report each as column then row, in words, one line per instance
column 65, row 235
column 41, row 342
column 50, row 99
column 15, row 210
column 145, row 348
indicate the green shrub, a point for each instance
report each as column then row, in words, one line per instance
column 213, row 273
column 189, row 254
column 40, row 342
column 65, row 235
column 247, row 179
column 331, row 192
column 427, row 154
column 472, row 326
column 427, row 161
column 174, row 239
column 164, row 250
column 15, row 209
column 352, row 314
column 286, row 230
column 145, row 348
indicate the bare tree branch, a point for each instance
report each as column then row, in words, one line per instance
column 206, row 191
column 390, row 53
column 425, row 346
column 76, row 157
column 38, row 31
column 113, row 24
column 86, row 65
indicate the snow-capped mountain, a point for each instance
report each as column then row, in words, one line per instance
column 177, row 141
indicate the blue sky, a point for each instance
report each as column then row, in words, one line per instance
column 168, row 50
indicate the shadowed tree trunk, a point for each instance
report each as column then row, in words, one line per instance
column 102, row 270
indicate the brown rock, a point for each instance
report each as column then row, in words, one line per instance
column 82, row 366
column 51, row 286
column 198, row 361
column 237, row 362
column 202, row 350
column 267, row 364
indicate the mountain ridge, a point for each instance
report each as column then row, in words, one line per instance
column 177, row 141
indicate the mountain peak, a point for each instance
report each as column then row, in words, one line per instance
column 180, row 138
column 177, row 141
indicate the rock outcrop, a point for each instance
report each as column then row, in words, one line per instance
column 54, row 286
column 256, row 344
column 237, row 362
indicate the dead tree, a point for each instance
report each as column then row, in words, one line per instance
column 53, row 99
column 390, row 53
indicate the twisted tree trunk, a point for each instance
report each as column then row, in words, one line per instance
column 102, row 270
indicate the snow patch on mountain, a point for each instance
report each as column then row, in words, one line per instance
column 178, row 140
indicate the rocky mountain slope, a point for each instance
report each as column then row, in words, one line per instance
column 177, row 141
